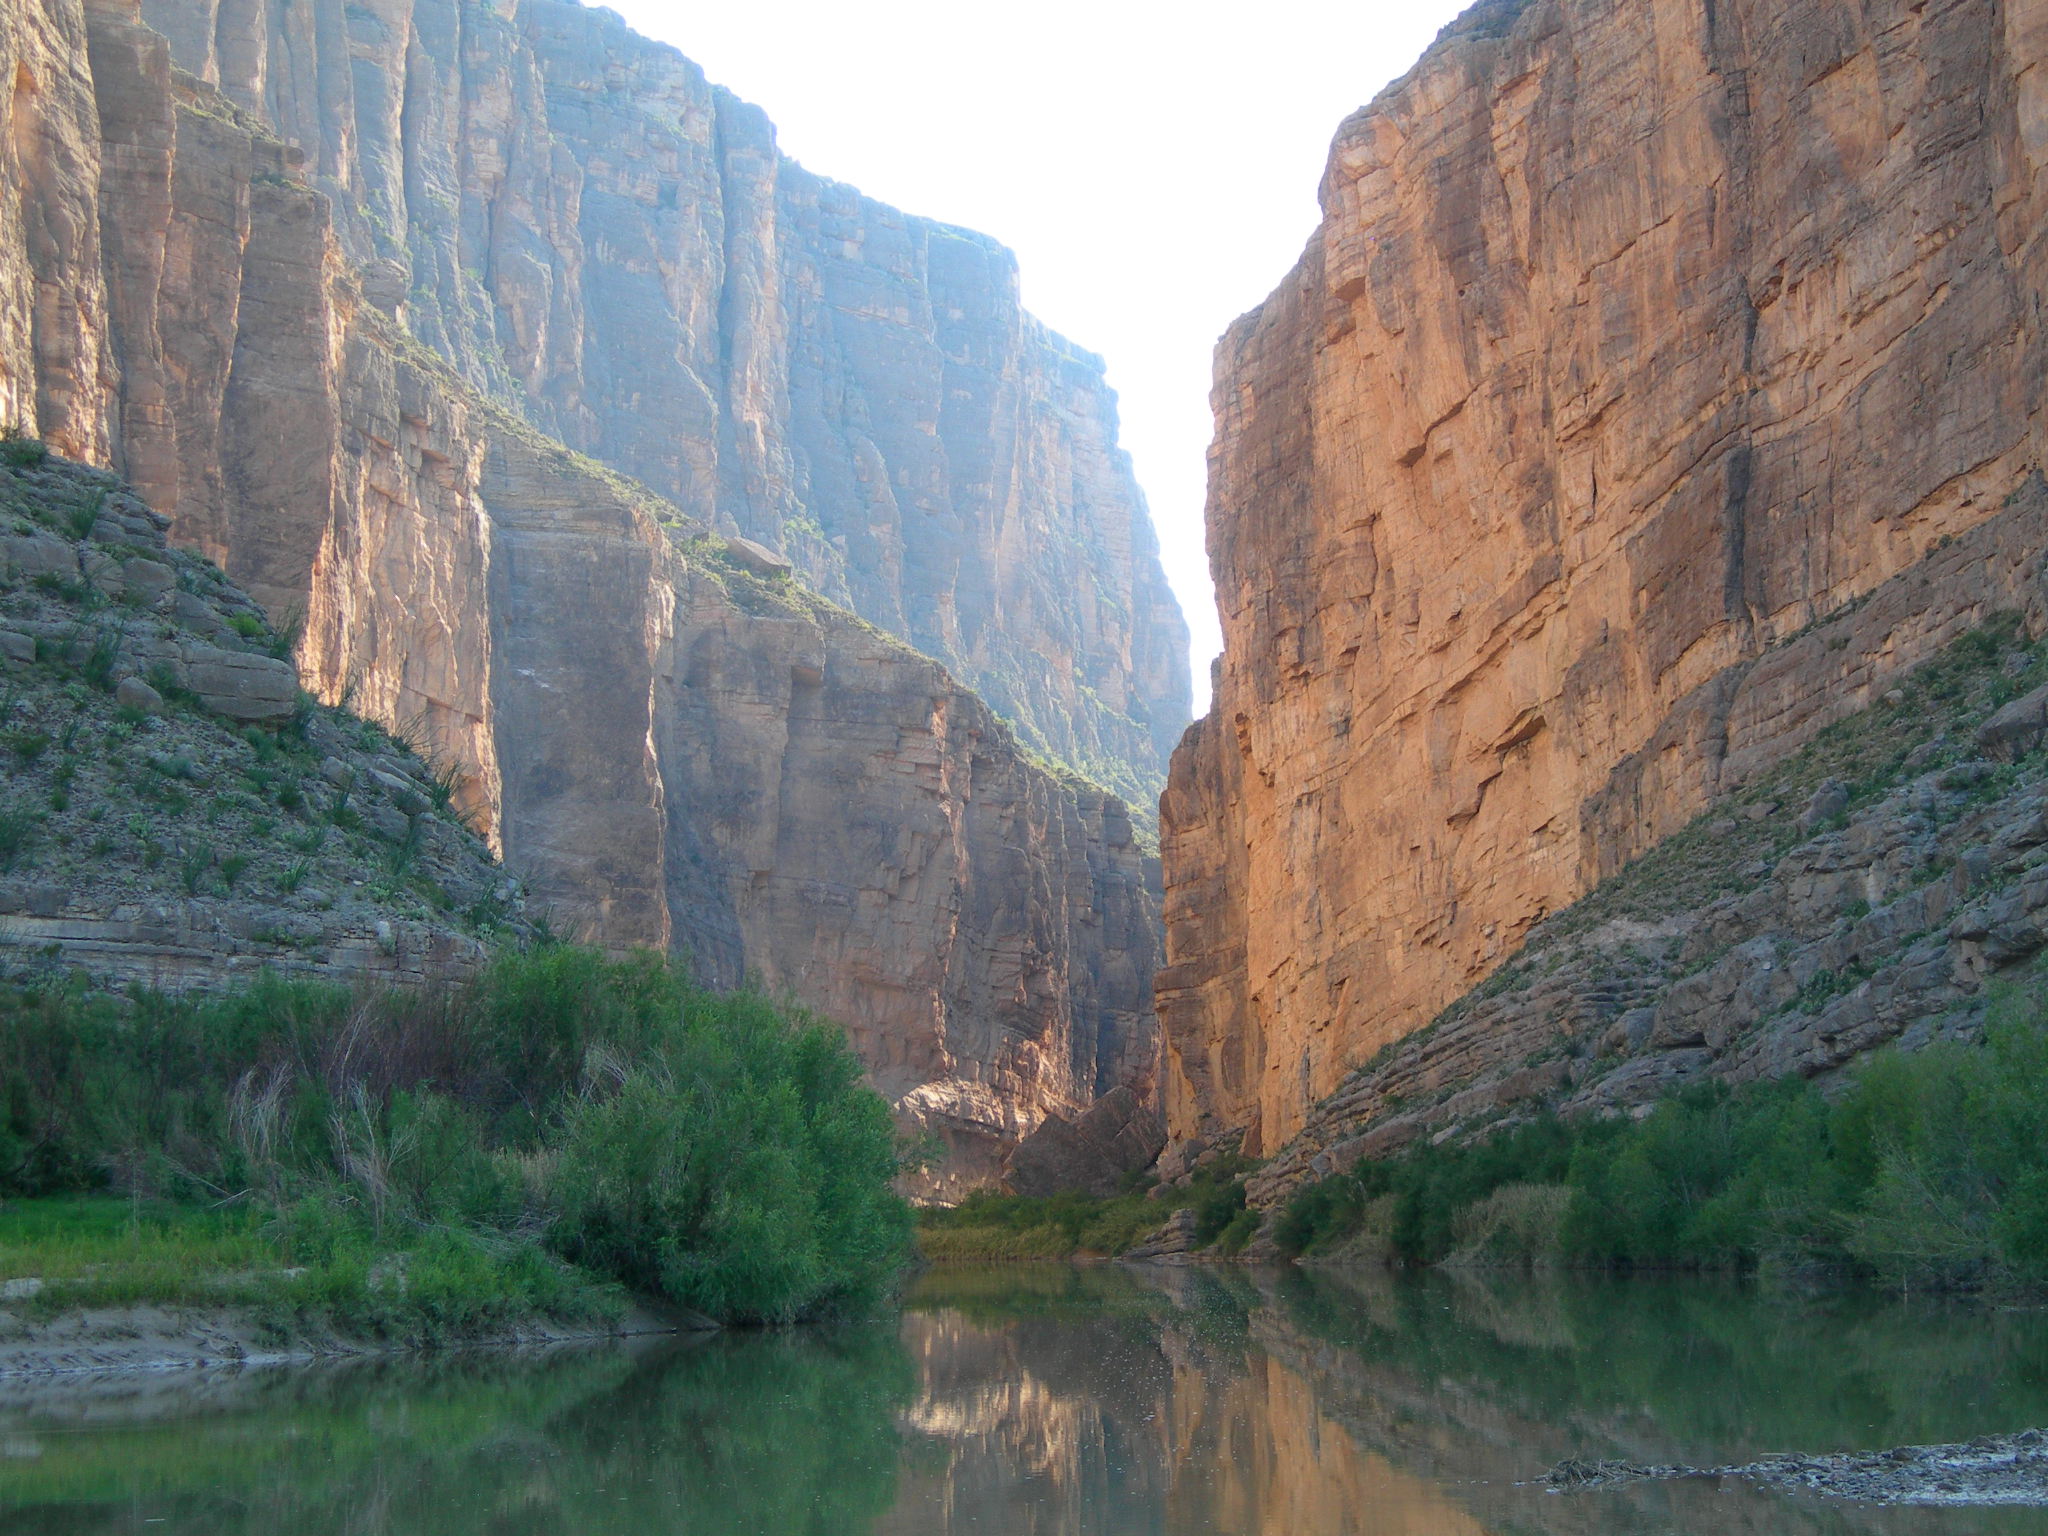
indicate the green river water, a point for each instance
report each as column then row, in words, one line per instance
column 1049, row 1399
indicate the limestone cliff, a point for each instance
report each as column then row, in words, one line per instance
column 1876, row 888
column 591, row 232
column 678, row 746
column 1634, row 341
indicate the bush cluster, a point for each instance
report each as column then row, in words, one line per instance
column 714, row 1149
column 1929, row 1170
column 989, row 1225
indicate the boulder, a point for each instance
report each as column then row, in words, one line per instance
column 134, row 693
column 2017, row 729
column 1119, row 1135
column 1828, row 802
column 256, row 690
column 757, row 558
column 147, row 580
column 39, row 554
column 1171, row 1242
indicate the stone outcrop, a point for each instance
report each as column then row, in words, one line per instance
column 172, row 811
column 588, row 229
column 1121, row 1134
column 291, row 353
column 728, row 765
column 1635, row 340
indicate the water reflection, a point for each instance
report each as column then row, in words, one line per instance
column 1220, row 1400
column 1058, row 1400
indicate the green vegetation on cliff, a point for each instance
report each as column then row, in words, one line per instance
column 439, row 1160
column 1930, row 1169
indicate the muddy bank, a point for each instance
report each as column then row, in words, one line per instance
column 170, row 1338
column 1991, row 1469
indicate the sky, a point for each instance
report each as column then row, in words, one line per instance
column 1153, row 165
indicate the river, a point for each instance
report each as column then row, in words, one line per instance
column 1050, row 1400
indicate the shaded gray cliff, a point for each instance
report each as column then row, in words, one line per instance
column 594, row 234
column 674, row 744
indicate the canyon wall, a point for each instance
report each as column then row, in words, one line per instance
column 675, row 742
column 1634, row 341
column 592, row 233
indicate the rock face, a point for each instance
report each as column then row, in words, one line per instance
column 1634, row 341
column 729, row 765
column 1867, row 892
column 585, row 227
column 325, row 366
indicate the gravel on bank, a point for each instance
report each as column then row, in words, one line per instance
column 166, row 1338
column 1991, row 1469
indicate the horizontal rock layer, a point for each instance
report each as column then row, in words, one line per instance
column 1634, row 340
column 676, row 749
column 172, row 811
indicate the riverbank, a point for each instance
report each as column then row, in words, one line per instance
column 172, row 1338
column 539, row 1140
column 1925, row 1170
column 97, row 1283
column 987, row 1227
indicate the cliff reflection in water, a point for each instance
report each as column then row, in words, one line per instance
column 1114, row 1400
column 1049, row 1400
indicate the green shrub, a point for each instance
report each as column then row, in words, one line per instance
column 1216, row 1210
column 19, row 830
column 742, row 1170
column 81, row 515
column 715, row 1148
column 1930, row 1170
column 28, row 745
column 19, row 451
column 1518, row 1224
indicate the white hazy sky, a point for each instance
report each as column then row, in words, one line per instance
column 1154, row 165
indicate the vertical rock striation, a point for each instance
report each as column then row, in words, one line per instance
column 1634, row 341
column 589, row 230
column 334, row 363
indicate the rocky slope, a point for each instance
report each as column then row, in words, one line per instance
column 1635, row 341
column 1873, row 889
column 173, row 811
column 670, row 738
column 592, row 233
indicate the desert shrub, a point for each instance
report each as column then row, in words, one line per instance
column 18, row 452
column 719, row 1149
column 19, row 829
column 1930, row 1169
column 1518, row 1224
